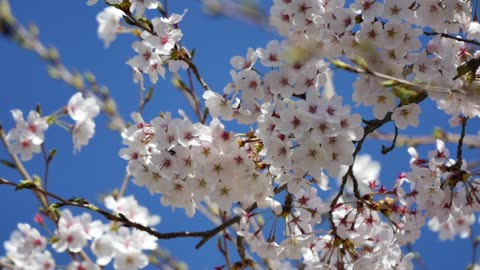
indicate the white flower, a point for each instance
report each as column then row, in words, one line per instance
column 85, row 265
column 382, row 101
column 397, row 10
column 139, row 6
column 138, row 78
column 175, row 17
column 406, row 115
column 103, row 248
column 165, row 38
column 175, row 65
column 73, row 232
column 394, row 34
column 130, row 208
column 24, row 243
column 270, row 57
column 70, row 237
column 281, row 82
column 80, row 108
column 367, row 8
column 130, row 260
column 82, row 133
column 109, row 24
column 473, row 30
column 440, row 155
column 145, row 57
column 366, row 171
column 27, row 136
column 239, row 63
column 217, row 105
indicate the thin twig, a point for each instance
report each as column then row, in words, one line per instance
column 20, row 168
column 471, row 41
column 419, row 88
column 417, row 257
column 195, row 71
column 82, row 203
column 45, row 175
column 225, row 243
column 474, row 245
column 370, row 127
column 460, row 143
column 124, row 185
column 231, row 221
column 386, row 150
column 471, row 141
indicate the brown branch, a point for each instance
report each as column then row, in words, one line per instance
column 195, row 71
column 84, row 204
column 469, row 140
column 386, row 150
column 371, row 126
column 231, row 221
column 190, row 95
column 181, row 54
column 460, row 144
column 21, row 169
column 444, row 35
column 393, row 81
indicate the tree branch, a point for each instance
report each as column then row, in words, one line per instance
column 471, row 41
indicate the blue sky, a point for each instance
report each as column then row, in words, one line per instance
column 71, row 27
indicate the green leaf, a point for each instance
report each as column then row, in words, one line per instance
column 38, row 109
column 51, row 120
column 360, row 62
column 25, row 184
column 53, row 240
column 149, row 94
column 339, row 64
column 404, row 94
column 390, row 83
column 52, row 154
column 89, row 77
column 469, row 66
column 128, row 20
column 79, row 200
column 54, row 208
column 146, row 22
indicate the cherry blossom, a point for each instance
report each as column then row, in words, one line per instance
column 406, row 115
column 297, row 138
column 27, row 136
column 109, row 24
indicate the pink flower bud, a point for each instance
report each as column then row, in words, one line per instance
column 39, row 219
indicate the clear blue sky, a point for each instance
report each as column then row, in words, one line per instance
column 71, row 27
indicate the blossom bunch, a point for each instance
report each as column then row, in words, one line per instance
column 27, row 136
column 28, row 249
column 300, row 135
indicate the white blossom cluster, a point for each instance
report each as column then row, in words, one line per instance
column 155, row 48
column 27, row 248
column 299, row 138
column 27, row 136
